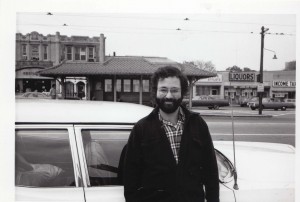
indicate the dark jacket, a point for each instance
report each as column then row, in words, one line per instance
column 150, row 170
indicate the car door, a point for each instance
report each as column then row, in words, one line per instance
column 100, row 148
column 266, row 103
column 47, row 165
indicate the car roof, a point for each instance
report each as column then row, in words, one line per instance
column 78, row 111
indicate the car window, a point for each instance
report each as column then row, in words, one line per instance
column 102, row 153
column 43, row 159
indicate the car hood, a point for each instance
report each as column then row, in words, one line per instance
column 261, row 164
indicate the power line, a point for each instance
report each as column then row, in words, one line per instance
column 152, row 18
column 147, row 28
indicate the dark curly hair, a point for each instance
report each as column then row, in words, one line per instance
column 168, row 71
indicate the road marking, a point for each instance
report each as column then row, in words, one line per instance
column 243, row 134
column 283, row 114
column 248, row 123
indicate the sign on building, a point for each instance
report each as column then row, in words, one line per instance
column 241, row 76
column 284, row 83
column 217, row 78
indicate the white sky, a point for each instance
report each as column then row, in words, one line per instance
column 223, row 39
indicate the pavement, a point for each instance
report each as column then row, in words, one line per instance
column 235, row 111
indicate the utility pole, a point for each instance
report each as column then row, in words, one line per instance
column 263, row 31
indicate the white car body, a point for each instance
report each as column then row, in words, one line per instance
column 265, row 170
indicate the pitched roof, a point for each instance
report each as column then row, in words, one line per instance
column 121, row 65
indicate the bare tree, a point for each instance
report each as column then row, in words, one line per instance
column 207, row 66
column 247, row 69
column 234, row 68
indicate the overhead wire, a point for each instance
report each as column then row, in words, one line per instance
column 130, row 29
column 155, row 18
column 134, row 29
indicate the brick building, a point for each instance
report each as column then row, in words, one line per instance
column 80, row 64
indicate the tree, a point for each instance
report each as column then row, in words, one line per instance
column 207, row 66
column 247, row 69
column 234, row 68
column 290, row 66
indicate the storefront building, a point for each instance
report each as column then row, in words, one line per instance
column 237, row 86
column 82, row 69
column 35, row 52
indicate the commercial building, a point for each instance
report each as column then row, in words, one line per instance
column 79, row 65
column 240, row 85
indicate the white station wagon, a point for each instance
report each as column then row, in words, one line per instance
column 69, row 150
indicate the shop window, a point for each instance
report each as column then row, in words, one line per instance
column 127, row 85
column 35, row 52
column 198, row 89
column 214, row 92
column 108, row 85
column 119, row 85
column 45, row 52
column 69, row 52
column 146, row 86
column 136, row 85
column 243, row 93
column 254, row 93
column 226, row 92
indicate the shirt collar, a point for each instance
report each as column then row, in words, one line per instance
column 181, row 117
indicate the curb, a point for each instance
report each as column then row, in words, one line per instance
column 229, row 115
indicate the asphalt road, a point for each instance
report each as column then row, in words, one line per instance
column 280, row 128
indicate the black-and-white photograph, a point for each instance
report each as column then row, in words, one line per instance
column 153, row 106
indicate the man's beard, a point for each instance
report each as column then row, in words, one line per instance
column 168, row 105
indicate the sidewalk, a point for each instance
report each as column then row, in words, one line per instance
column 236, row 111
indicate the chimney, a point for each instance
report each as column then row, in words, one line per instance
column 102, row 49
column 114, row 54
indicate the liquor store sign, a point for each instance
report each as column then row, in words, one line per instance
column 242, row 76
column 284, row 84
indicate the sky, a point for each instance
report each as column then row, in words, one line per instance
column 223, row 39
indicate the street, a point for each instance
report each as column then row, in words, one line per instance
column 280, row 128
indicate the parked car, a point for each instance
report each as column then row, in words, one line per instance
column 244, row 102
column 55, row 159
column 293, row 101
column 38, row 95
column 207, row 101
column 271, row 103
column 34, row 95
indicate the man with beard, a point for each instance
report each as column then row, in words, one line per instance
column 170, row 155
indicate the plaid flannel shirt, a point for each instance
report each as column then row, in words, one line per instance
column 174, row 132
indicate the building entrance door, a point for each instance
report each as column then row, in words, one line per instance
column 98, row 93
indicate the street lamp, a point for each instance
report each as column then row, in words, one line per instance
column 274, row 57
column 263, row 32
